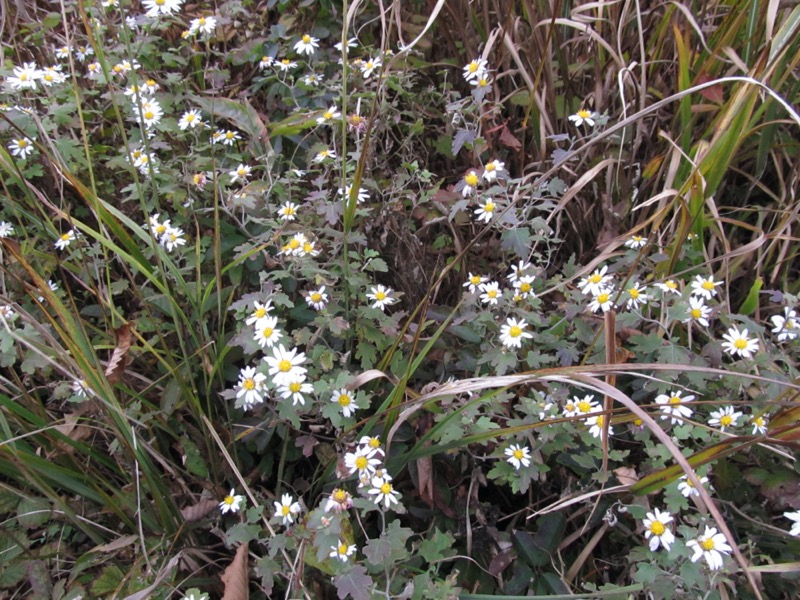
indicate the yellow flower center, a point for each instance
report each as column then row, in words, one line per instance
column 340, row 496
column 595, row 278
column 584, row 406
column 602, row 298
column 707, row 285
column 569, row 406
column 285, row 366
column 285, row 510
column 249, row 384
column 285, row 61
column 386, row 488
column 150, row 82
column 726, row 420
column 488, row 207
column 514, row 331
column 671, row 285
column 634, row 293
column 344, row 400
column 473, row 67
column 584, row 114
column 327, row 115
column 229, row 500
column 519, row 454
column 490, row 167
column 23, row 77
column 316, row 297
column 600, row 420
column 293, row 244
column 306, row 39
column 524, row 287
column 491, row 293
column 201, row 21
column 380, row 296
column 707, row 544
column 308, row 247
column 148, row 115
column 267, row 333
column 758, row 421
column 65, row 237
column 343, row 547
column 22, row 143
column 295, row 386
column 696, row 313
column 675, row 400
column 657, row 528
column 369, row 65
column 475, row 279
column 361, row 463
column 374, row 443
column 471, row 179
column 260, row 312
column 161, row 2
column 740, row 344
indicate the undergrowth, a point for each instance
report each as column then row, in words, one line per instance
column 410, row 300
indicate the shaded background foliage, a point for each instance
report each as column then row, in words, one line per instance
column 551, row 59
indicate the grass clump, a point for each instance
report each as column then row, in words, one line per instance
column 310, row 299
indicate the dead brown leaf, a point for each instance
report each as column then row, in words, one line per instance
column 116, row 364
column 425, row 479
column 508, row 139
column 235, row 577
column 197, row 511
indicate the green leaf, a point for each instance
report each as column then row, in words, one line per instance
column 33, row 512
column 378, row 550
column 437, row 547
column 192, row 459
column 107, row 581
column 355, row 584
column 528, row 550
column 750, row 303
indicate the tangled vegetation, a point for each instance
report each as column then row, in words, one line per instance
column 318, row 299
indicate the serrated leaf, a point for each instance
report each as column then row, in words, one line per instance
column 377, row 550
column 354, row 584
column 242, row 533
column 397, row 536
column 33, row 512
column 107, row 581
column 437, row 547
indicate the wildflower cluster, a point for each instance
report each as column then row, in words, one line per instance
column 168, row 237
column 366, row 463
column 711, row 545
